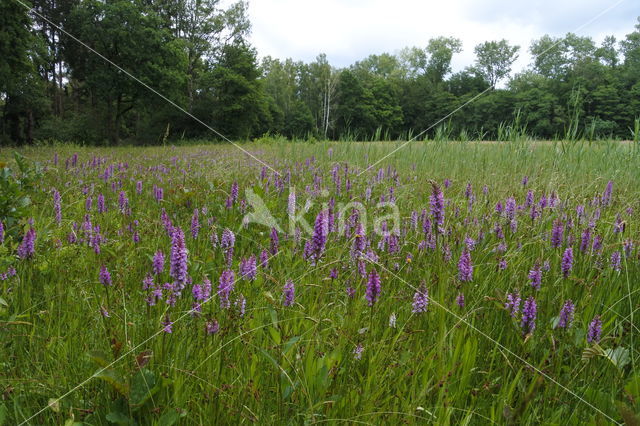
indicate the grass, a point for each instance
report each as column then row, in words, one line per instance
column 296, row 365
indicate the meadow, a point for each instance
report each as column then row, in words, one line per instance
column 496, row 284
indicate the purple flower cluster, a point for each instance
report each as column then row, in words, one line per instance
column 178, row 267
column 289, row 293
column 513, row 303
column 436, row 204
column 595, row 330
column 105, row 276
column 567, row 262
column 158, row 262
column 535, row 275
column 373, row 288
column 27, row 249
column 529, row 313
column 57, row 206
column 465, row 267
column 248, row 268
column 420, row 301
column 566, row 315
column 227, row 283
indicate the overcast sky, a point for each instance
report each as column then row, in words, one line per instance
column 349, row 30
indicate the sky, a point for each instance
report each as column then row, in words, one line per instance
column 350, row 30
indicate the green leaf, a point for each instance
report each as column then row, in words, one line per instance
column 142, row 385
column 114, row 379
column 275, row 335
column 171, row 417
column 119, row 418
column 290, row 343
column 99, row 358
column 591, row 351
column 618, row 356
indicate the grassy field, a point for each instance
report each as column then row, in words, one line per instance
column 508, row 285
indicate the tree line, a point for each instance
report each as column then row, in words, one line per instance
column 196, row 53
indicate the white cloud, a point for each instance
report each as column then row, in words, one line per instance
column 350, row 30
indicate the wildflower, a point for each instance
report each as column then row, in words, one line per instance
column 158, row 193
column 275, row 242
column 392, row 320
column 510, row 208
column 139, row 187
column 211, row 327
column 234, row 191
column 615, row 261
column 27, row 248
column 359, row 242
column 535, row 275
column 1, row 232
column 585, row 240
column 226, row 286
column 248, row 268
column 606, row 195
column 241, row 305
column 227, row 243
column 529, row 312
column 460, row 300
column 567, row 262
column 158, row 262
column 167, row 325
column 502, row 264
column 513, row 303
column 147, row 282
column 468, row 192
column 436, row 202
column 469, row 243
column 57, row 208
column 228, row 239
column 597, row 243
column 595, row 330
column 195, row 224
column 102, row 207
column 291, row 202
column 420, row 300
column 557, row 234
column 357, row 352
column 202, row 292
column 566, row 314
column 105, row 276
column 178, row 267
column 123, row 201
column 619, row 225
column 465, row 268
column 373, row 287
column 264, row 259
column 289, row 292
column 104, row 312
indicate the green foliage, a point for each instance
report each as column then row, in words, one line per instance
column 494, row 60
column 16, row 190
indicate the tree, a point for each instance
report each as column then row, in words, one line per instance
column 131, row 36
column 440, row 52
column 235, row 93
column 494, row 59
column 549, row 57
column 20, row 85
column 433, row 61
